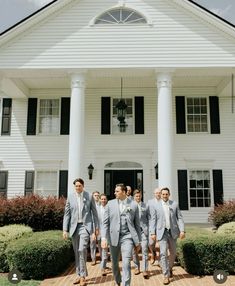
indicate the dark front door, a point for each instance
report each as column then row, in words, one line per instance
column 133, row 178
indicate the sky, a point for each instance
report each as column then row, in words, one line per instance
column 12, row 11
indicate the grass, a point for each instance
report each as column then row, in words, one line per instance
column 5, row 282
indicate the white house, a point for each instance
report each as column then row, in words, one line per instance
column 64, row 69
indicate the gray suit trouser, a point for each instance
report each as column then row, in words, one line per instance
column 167, row 242
column 144, row 250
column 103, row 255
column 93, row 248
column 125, row 248
column 80, row 240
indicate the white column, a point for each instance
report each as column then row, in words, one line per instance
column 77, row 129
column 165, row 130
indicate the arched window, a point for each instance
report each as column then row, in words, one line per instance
column 120, row 16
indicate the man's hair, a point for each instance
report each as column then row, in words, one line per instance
column 123, row 187
column 137, row 192
column 103, row 195
column 95, row 192
column 78, row 180
column 165, row 189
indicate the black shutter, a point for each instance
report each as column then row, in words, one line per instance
column 63, row 184
column 218, row 186
column 105, row 115
column 183, row 189
column 214, row 114
column 3, row 183
column 6, row 116
column 180, row 115
column 29, row 183
column 139, row 115
column 65, row 115
column 32, row 116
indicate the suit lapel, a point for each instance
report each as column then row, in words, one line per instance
column 117, row 208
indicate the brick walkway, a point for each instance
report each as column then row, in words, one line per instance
column 181, row 278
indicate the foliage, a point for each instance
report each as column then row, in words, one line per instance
column 41, row 255
column 4, row 282
column 35, row 211
column 7, row 234
column 227, row 228
column 223, row 213
column 201, row 254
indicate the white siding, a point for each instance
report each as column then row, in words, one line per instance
column 20, row 152
column 177, row 38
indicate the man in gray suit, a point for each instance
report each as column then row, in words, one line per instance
column 154, row 245
column 166, row 225
column 79, row 217
column 121, row 228
column 144, row 225
column 96, row 196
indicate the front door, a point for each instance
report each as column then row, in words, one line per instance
column 133, row 178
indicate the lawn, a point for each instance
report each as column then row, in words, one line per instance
column 4, row 282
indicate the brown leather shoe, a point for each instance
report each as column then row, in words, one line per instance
column 103, row 272
column 152, row 259
column 137, row 271
column 82, row 281
column 171, row 273
column 76, row 281
column 166, row 281
column 93, row 263
column 146, row 275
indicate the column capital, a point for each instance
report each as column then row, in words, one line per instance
column 78, row 80
column 164, row 80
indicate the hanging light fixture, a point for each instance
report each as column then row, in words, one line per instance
column 121, row 113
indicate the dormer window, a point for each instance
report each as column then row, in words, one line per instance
column 121, row 16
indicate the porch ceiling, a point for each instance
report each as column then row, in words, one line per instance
column 48, row 79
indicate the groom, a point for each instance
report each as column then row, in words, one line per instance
column 121, row 229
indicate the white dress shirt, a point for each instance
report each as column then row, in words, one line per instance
column 102, row 210
column 139, row 207
column 80, row 206
column 166, row 209
column 122, row 205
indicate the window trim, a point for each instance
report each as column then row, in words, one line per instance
column 1, row 103
column 208, row 115
column 211, row 188
column 38, row 117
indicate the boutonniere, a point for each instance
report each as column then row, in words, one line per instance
column 142, row 209
column 84, row 200
column 128, row 209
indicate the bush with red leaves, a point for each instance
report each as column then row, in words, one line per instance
column 223, row 213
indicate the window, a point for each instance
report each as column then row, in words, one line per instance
column 49, row 116
column 120, row 16
column 128, row 119
column 46, row 183
column 197, row 114
column 199, row 188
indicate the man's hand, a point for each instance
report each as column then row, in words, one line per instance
column 154, row 237
column 182, row 235
column 137, row 248
column 65, row 235
column 93, row 236
column 97, row 232
column 104, row 243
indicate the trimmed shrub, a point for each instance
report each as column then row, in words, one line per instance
column 223, row 213
column 227, row 228
column 202, row 255
column 35, row 211
column 41, row 255
column 7, row 234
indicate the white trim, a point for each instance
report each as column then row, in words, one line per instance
column 122, row 4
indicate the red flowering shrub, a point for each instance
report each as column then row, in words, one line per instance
column 223, row 213
column 37, row 212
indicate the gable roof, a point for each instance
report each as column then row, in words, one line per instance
column 56, row 4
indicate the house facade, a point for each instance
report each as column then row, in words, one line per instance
column 64, row 70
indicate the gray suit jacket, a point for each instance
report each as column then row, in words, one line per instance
column 111, row 223
column 157, row 219
column 144, row 219
column 89, row 213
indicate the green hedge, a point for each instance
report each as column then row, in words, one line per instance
column 203, row 254
column 41, row 255
column 7, row 234
column 227, row 228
